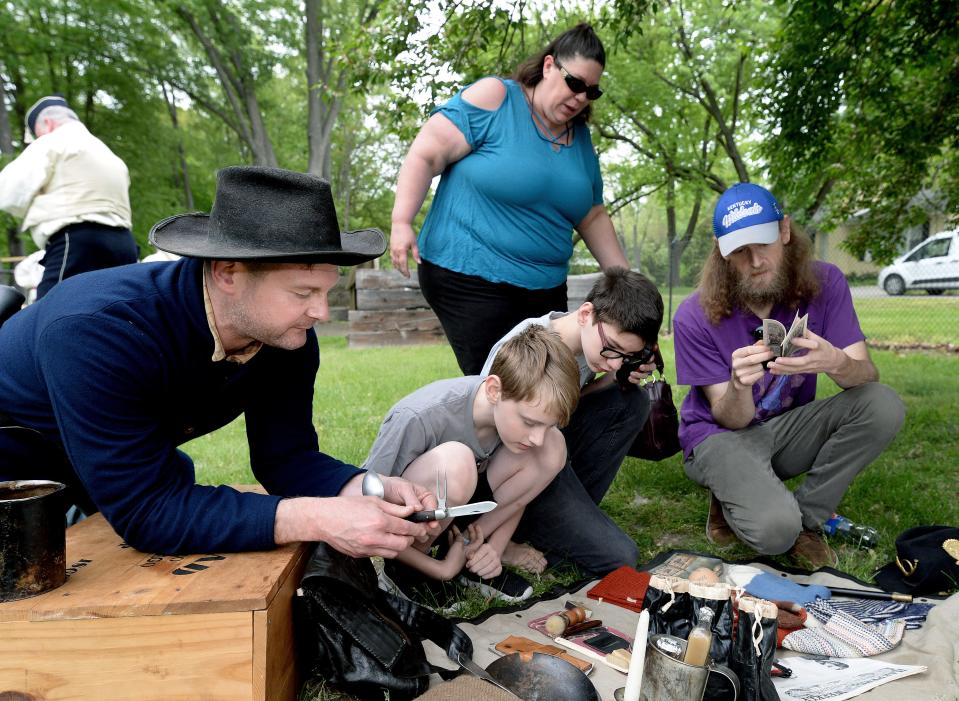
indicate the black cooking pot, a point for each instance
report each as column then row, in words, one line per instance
column 539, row 677
column 32, row 538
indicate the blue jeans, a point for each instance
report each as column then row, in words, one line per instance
column 79, row 248
column 565, row 520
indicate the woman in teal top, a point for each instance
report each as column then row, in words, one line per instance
column 519, row 173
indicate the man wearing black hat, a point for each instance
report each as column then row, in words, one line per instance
column 71, row 191
column 102, row 380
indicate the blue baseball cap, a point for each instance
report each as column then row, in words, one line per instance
column 745, row 214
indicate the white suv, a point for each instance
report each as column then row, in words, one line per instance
column 932, row 266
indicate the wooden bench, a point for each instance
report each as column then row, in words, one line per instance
column 131, row 625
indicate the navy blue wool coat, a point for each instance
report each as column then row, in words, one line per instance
column 114, row 368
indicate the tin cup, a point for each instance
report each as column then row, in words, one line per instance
column 32, row 538
column 666, row 678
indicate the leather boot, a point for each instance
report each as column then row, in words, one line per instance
column 718, row 531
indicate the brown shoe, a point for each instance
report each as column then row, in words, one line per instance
column 812, row 552
column 718, row 531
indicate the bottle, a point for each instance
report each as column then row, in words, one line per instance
column 700, row 638
column 842, row 528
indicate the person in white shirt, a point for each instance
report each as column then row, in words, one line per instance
column 72, row 193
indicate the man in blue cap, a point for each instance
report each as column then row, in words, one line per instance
column 71, row 191
column 751, row 420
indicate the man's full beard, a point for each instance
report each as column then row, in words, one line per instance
column 747, row 295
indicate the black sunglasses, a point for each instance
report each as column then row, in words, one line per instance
column 578, row 85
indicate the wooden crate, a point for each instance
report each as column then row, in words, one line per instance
column 391, row 311
column 131, row 625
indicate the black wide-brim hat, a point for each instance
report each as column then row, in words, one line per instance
column 268, row 214
column 927, row 562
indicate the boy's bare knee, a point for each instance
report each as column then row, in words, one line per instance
column 456, row 460
column 459, row 463
column 552, row 454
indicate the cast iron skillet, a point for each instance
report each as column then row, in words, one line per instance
column 539, row 677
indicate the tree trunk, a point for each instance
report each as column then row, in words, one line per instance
column 326, row 84
column 14, row 242
column 314, row 86
column 183, row 174
column 239, row 88
column 6, row 132
column 682, row 243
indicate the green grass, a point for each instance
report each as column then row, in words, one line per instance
column 910, row 319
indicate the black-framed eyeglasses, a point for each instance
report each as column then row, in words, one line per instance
column 642, row 356
column 578, row 85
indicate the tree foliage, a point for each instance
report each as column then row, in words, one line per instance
column 847, row 107
column 866, row 106
column 683, row 103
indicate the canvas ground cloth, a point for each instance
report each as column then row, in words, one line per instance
column 935, row 645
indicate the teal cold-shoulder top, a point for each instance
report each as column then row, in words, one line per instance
column 506, row 211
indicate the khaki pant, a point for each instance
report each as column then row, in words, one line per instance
column 829, row 441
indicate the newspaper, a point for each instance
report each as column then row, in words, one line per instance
column 778, row 339
column 832, row 679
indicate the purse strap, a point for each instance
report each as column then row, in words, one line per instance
column 658, row 358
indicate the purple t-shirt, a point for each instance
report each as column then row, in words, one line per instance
column 704, row 353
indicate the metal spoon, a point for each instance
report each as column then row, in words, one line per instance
column 372, row 485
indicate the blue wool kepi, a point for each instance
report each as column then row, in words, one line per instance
column 39, row 106
column 745, row 214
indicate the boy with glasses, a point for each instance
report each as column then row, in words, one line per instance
column 618, row 322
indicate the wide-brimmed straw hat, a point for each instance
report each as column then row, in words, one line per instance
column 270, row 214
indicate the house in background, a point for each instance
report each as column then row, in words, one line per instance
column 828, row 244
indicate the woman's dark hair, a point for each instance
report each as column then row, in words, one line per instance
column 580, row 41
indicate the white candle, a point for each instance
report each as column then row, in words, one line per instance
column 634, row 680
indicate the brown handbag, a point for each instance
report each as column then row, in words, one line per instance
column 659, row 437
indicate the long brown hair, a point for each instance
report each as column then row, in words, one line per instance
column 717, row 283
column 580, row 41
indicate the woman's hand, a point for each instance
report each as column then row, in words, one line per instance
column 402, row 243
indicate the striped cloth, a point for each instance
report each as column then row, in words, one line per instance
column 841, row 635
column 869, row 611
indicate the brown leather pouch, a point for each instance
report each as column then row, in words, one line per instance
column 516, row 643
